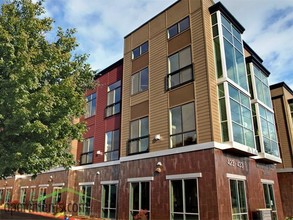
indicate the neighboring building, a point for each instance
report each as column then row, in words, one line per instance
column 197, row 137
column 282, row 96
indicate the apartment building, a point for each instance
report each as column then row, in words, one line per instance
column 282, row 96
column 191, row 137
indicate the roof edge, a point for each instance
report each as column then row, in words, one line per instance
column 281, row 84
column 109, row 68
column 252, row 59
column 252, row 52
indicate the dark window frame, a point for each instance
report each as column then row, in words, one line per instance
column 139, row 73
column 113, row 105
column 140, row 50
column 178, row 28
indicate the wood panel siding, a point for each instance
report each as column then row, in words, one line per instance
column 181, row 95
column 194, row 5
column 177, row 12
column 140, row 36
column 140, row 110
column 211, row 73
column 139, row 97
column 179, row 42
column 158, row 98
column 158, row 25
column 127, row 45
column 140, row 63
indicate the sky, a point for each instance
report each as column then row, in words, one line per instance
column 102, row 24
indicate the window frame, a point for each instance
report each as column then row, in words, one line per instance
column 42, row 203
column 140, row 50
column 90, row 100
column 103, row 200
column 271, row 206
column 178, row 28
column 182, row 125
column 83, row 209
column 8, row 195
column 32, row 195
column 23, row 195
column 112, row 143
column 89, row 154
column 1, row 196
column 179, row 71
column 139, row 79
column 112, row 106
column 139, row 138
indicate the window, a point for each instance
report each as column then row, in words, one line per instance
column 1, row 196
column 112, row 145
column 182, row 125
column 140, row 50
column 223, row 113
column 85, row 200
column 109, row 197
column 180, row 68
column 178, row 27
column 56, row 198
column 140, row 81
column 268, row 131
column 42, row 199
column 291, row 108
column 184, row 199
column 139, row 198
column 8, row 196
column 22, row 199
column 238, row 199
column 113, row 99
column 241, row 117
column 270, row 199
column 262, row 87
column 90, row 105
column 32, row 195
column 87, row 151
column 139, row 136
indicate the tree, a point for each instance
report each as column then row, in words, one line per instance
column 42, row 87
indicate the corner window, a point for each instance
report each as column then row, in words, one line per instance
column 85, row 200
column 223, row 113
column 178, row 27
column 182, row 130
column 140, row 81
column 140, row 50
column 139, row 199
column 112, row 145
column 270, row 199
column 139, row 136
column 238, row 199
column 86, row 156
column 268, row 131
column 109, row 197
column 113, row 99
column 179, row 68
column 241, row 117
column 90, row 105
column 184, row 199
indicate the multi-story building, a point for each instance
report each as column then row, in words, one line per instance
column 282, row 96
column 197, row 137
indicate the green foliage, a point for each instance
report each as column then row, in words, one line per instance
column 42, row 88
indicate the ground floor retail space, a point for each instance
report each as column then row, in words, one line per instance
column 206, row 184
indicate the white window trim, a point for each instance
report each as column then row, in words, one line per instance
column 24, row 187
column 32, row 186
column 86, row 184
column 140, row 179
column 44, row 185
column 109, row 182
column 183, row 176
column 9, row 187
column 235, row 176
column 58, row 184
column 267, row 181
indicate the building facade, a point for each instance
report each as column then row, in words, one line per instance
column 191, row 137
column 282, row 96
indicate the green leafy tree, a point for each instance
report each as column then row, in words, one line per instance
column 42, row 86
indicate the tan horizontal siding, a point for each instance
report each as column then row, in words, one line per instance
column 177, row 12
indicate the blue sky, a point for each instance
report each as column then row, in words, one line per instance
column 102, row 25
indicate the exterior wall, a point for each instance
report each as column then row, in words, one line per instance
column 286, row 191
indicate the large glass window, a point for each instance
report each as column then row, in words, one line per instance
column 56, row 198
column 139, row 136
column 262, row 87
column 1, row 196
column 113, row 99
column 223, row 113
column 140, row 81
column 32, row 195
column 139, row 199
column 86, row 156
column 270, row 199
column 182, row 131
column 241, row 117
column 42, row 199
column 112, row 143
column 90, row 105
column 238, row 200
column 109, row 197
column 184, row 199
column 268, row 131
column 85, row 200
column 178, row 27
column 8, row 196
column 22, row 199
column 180, row 68
column 138, row 51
